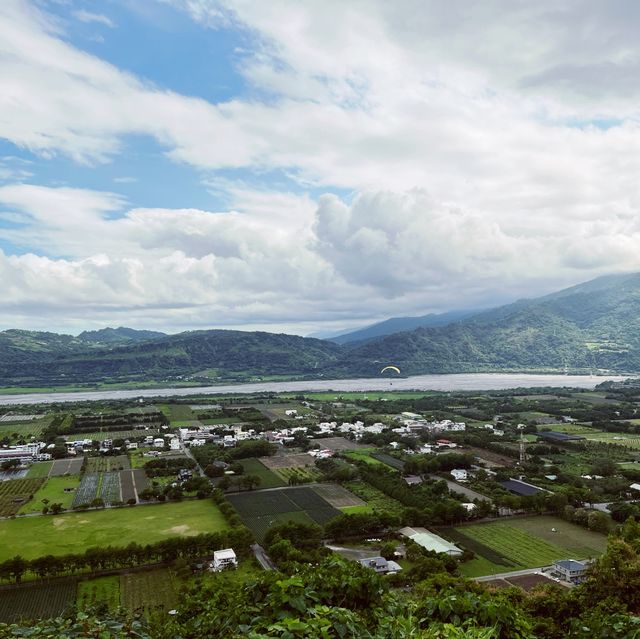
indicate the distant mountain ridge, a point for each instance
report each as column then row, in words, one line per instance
column 399, row 324
column 588, row 327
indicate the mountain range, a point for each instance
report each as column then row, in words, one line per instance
column 588, row 327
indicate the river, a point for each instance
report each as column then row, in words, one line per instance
column 456, row 382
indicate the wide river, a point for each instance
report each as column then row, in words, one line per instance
column 457, row 382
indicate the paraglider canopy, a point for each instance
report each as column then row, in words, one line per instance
column 390, row 368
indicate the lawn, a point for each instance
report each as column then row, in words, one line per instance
column 75, row 532
column 527, row 543
column 54, row 491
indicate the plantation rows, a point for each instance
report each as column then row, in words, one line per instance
column 15, row 493
column 105, row 486
column 36, row 602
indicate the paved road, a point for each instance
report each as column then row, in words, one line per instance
column 262, row 557
column 513, row 573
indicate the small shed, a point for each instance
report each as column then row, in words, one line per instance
column 224, row 559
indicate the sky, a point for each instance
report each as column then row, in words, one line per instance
column 310, row 165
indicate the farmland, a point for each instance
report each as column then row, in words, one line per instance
column 100, row 591
column 66, row 467
column 40, row 469
column 15, row 493
column 75, row 532
column 525, row 543
column 374, row 497
column 299, row 475
column 260, row 510
column 148, row 592
column 337, row 496
column 107, row 464
column 114, row 434
column 36, row 601
column 268, row 478
column 57, row 490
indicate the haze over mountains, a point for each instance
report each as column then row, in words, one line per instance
column 588, row 327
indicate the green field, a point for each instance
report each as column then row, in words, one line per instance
column 526, row 543
column 177, row 412
column 302, row 475
column 268, row 479
column 106, row 464
column 22, row 430
column 75, row 532
column 40, row 469
column 357, row 510
column 53, row 490
column 40, row 601
column 363, row 455
column 100, row 591
column 374, row 497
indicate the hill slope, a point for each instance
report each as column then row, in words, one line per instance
column 120, row 335
column 595, row 325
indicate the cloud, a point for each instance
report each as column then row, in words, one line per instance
column 93, row 18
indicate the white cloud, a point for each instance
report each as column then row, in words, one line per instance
column 95, row 18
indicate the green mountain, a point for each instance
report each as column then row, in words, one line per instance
column 595, row 325
column 400, row 324
column 206, row 354
column 120, row 335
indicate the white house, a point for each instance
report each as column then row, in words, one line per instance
column 158, row 442
column 291, row 412
column 174, row 444
column 381, row 565
column 459, row 474
column 224, row 559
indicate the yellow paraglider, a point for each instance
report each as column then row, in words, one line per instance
column 390, row 368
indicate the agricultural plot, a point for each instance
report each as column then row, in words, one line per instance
column 299, row 475
column 339, row 444
column 107, row 464
column 338, row 496
column 260, row 525
column 268, row 478
column 375, row 498
column 178, row 412
column 72, row 533
column 36, row 602
column 114, row 434
column 87, row 490
column 97, row 592
column 365, row 456
column 6, row 475
column 15, row 493
column 56, row 490
column 296, row 460
column 148, row 592
column 22, row 430
column 66, row 467
column 260, row 510
column 132, row 483
column 39, row 469
column 110, row 488
column 526, row 543
column 396, row 464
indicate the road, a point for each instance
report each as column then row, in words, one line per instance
column 513, row 573
column 262, row 557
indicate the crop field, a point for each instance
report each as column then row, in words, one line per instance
column 113, row 434
column 110, row 488
column 338, row 496
column 15, row 493
column 66, row 467
column 339, row 444
column 36, row 602
column 374, row 497
column 132, row 483
column 260, row 525
column 87, row 490
column 178, row 412
column 296, row 460
column 525, row 543
column 301, row 475
column 107, row 464
column 396, row 464
column 100, row 591
column 72, row 533
column 39, row 469
column 256, row 508
column 148, row 592
column 363, row 456
column 268, row 478
column 26, row 430
column 57, row 490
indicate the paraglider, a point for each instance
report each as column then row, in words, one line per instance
column 390, row 368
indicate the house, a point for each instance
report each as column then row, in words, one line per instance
column 174, row 444
column 570, row 570
column 291, row 412
column 158, row 442
column 459, row 474
column 224, row 559
column 380, row 565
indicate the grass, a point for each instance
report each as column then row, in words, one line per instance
column 374, row 497
column 268, row 478
column 24, row 430
column 529, row 542
column 364, row 456
column 303, row 475
column 75, row 532
column 107, row 464
column 357, row 510
column 53, row 490
column 40, row 469
column 259, row 525
column 95, row 592
column 177, row 412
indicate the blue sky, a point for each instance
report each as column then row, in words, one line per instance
column 178, row 164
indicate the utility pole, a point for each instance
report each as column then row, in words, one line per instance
column 523, row 456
